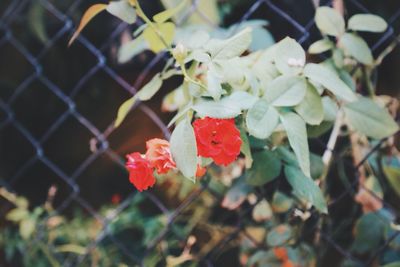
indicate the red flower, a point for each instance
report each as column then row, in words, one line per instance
column 218, row 139
column 159, row 155
column 140, row 171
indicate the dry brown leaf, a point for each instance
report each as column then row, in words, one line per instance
column 90, row 13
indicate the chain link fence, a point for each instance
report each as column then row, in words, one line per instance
column 57, row 108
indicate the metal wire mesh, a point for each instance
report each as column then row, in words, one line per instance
column 73, row 175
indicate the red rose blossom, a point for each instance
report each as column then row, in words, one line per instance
column 218, row 139
column 159, row 155
column 140, row 171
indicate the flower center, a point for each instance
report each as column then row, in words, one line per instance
column 214, row 140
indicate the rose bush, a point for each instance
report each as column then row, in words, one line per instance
column 239, row 100
column 257, row 108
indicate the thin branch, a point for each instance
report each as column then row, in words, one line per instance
column 327, row 156
column 339, row 6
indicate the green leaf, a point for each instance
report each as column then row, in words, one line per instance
column 317, row 166
column 305, row 188
column 261, row 38
column 266, row 167
column 311, row 109
column 338, row 57
column 166, row 30
column 279, row 235
column 236, row 194
column 263, row 67
column 210, row 8
column 314, row 131
column 320, row 46
column 329, row 21
column 17, row 214
column 289, row 56
column 140, row 29
column 286, row 155
column 27, row 227
column 286, row 91
column 122, row 10
column 199, row 56
column 373, row 185
column 194, row 40
column 150, row 89
column 297, row 134
column 263, row 259
column 368, row 118
column 124, row 110
column 214, row 87
column 130, row 49
column 391, row 168
column 367, row 22
column 37, row 21
column 357, row 48
column 71, row 248
column 223, row 109
column 330, row 108
column 169, row 13
column 262, row 211
column 174, row 100
column 393, row 175
column 184, row 148
column 281, row 203
column 323, row 75
column 346, row 77
column 147, row 92
column 243, row 99
column 22, row 202
column 166, row 74
column 231, row 71
column 182, row 111
column 245, row 148
column 262, row 119
column 368, row 232
column 230, row 48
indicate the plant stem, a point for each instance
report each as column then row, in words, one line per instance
column 48, row 255
column 327, row 156
column 7, row 195
column 141, row 14
column 189, row 79
column 368, row 83
column 387, row 50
